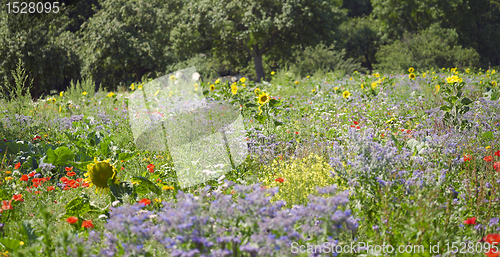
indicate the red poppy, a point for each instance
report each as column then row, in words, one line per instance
column 36, row 192
column 32, row 174
column 66, row 188
column 70, row 174
column 357, row 127
column 87, row 224
column 497, row 153
column 24, row 178
column 467, row 158
column 280, row 180
column 296, row 132
column 17, row 166
column 151, row 168
column 492, row 239
column 145, row 201
column 50, row 188
column 488, row 158
column 68, row 169
column 356, row 123
column 6, row 205
column 85, row 184
column 72, row 220
column 18, row 198
column 64, row 179
column 496, row 166
column 470, row 221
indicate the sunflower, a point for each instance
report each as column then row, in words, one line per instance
column 412, row 75
column 256, row 91
column 494, row 83
column 172, row 77
column 346, row 94
column 411, row 70
column 234, row 89
column 437, row 87
column 242, row 80
column 263, row 98
column 212, row 87
column 98, row 174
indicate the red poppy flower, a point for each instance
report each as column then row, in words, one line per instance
column 151, row 168
column 6, row 205
column 357, row 127
column 496, row 166
column 85, row 184
column 497, row 153
column 470, row 221
column 66, row 188
column 37, row 192
column 467, row 158
column 18, row 198
column 50, row 188
column 32, row 174
column 87, row 224
column 17, row 166
column 492, row 239
column 296, row 132
column 24, row 178
column 79, row 179
column 280, row 180
column 356, row 123
column 70, row 174
column 72, row 220
column 64, row 179
column 145, row 201
column 68, row 169
column 488, row 158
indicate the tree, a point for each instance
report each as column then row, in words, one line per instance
column 242, row 28
column 128, row 39
column 360, row 40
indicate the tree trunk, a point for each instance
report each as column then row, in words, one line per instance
column 257, row 60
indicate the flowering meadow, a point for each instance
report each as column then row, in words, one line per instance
column 333, row 166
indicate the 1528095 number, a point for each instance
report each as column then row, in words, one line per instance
column 32, row 7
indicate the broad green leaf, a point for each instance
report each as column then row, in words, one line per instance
column 79, row 206
column 126, row 156
column 58, row 157
column 148, row 184
column 10, row 244
column 466, row 101
column 445, row 108
column 121, row 189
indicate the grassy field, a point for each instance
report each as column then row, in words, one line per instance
column 356, row 164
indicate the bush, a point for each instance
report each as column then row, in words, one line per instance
column 433, row 48
column 298, row 178
column 321, row 57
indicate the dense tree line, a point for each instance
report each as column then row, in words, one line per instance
column 117, row 42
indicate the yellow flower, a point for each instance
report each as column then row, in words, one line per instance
column 61, row 94
column 453, row 79
column 195, row 86
column 139, row 87
column 242, row 80
column 362, row 86
column 493, row 72
column 376, row 75
column 21, row 243
column 336, row 88
column 234, row 89
column 9, row 178
column 494, row 83
column 8, row 172
column 437, row 87
column 256, row 91
column 52, row 100
column 260, row 110
column 167, row 188
column 467, row 70
column 156, row 93
column 350, row 78
column 98, row 174
column 296, row 82
column 132, row 86
column 217, row 81
column 374, row 84
column 346, row 94
column 423, row 75
column 263, row 98
column 313, row 90
column 212, row 87
column 172, row 77
column 488, row 147
column 111, row 94
column 412, row 70
column 272, row 73
column 84, row 93
column 412, row 75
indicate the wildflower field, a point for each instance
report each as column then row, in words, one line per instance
column 356, row 165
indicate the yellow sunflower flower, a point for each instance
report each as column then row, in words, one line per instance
column 256, row 91
column 437, row 87
column 411, row 69
column 242, row 80
column 84, row 93
column 98, row 174
column 172, row 77
column 111, row 94
column 263, row 98
column 212, row 87
column 234, row 89
column 346, row 94
column 412, row 76
column 494, row 83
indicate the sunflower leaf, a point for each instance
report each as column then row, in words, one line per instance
column 144, row 182
column 121, row 189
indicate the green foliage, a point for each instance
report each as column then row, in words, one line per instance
column 457, row 105
column 432, row 48
column 126, row 40
column 322, row 57
column 360, row 40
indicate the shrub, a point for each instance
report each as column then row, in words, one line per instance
column 433, row 48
